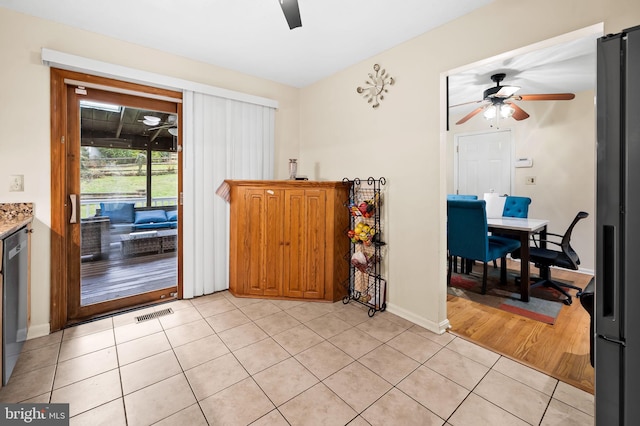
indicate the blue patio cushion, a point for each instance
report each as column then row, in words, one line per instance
column 172, row 215
column 152, row 225
column 118, row 212
column 150, row 216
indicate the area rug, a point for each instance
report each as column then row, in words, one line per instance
column 544, row 303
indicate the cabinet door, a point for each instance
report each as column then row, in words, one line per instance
column 273, row 243
column 294, row 232
column 260, row 251
column 315, row 243
column 304, row 247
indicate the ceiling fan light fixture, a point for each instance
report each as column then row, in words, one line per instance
column 506, row 111
column 490, row 112
column 151, row 120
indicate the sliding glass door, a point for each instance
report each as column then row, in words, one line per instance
column 122, row 174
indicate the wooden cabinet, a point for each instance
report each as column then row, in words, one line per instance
column 287, row 239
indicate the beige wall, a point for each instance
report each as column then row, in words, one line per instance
column 404, row 139
column 24, row 117
column 560, row 138
column 338, row 133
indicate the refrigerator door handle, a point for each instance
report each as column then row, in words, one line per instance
column 609, row 339
column 609, row 275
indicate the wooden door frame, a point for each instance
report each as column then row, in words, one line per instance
column 59, row 205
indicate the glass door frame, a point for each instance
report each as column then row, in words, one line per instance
column 65, row 147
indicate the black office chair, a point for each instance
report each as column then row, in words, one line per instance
column 566, row 257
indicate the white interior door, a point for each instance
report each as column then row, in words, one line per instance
column 483, row 163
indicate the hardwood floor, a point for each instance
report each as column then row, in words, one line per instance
column 560, row 350
column 119, row 277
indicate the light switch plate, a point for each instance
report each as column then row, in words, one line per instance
column 16, row 183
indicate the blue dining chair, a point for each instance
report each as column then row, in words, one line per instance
column 461, row 197
column 468, row 237
column 464, row 265
column 516, row 206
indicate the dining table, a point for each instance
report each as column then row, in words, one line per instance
column 523, row 228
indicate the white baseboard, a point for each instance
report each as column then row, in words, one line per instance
column 434, row 327
column 38, row 330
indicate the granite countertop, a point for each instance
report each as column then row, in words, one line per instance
column 14, row 216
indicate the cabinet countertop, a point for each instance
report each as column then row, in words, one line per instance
column 288, row 183
column 14, row 216
column 8, row 227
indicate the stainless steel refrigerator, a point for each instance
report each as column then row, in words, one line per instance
column 617, row 295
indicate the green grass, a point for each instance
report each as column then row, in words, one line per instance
column 161, row 185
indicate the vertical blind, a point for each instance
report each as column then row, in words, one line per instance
column 223, row 139
column 226, row 135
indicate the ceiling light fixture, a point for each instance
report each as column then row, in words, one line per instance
column 490, row 113
column 100, row 106
column 151, row 120
column 498, row 109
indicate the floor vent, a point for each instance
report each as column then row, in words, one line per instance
column 153, row 315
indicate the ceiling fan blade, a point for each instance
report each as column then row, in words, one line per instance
column 470, row 115
column 518, row 113
column 291, row 12
column 465, row 103
column 506, row 91
column 547, row 97
column 163, row 126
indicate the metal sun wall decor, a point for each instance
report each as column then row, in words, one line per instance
column 376, row 86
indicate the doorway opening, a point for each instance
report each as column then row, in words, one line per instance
column 128, row 201
column 117, row 157
column 549, row 139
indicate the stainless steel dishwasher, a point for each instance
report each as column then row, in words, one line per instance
column 14, row 299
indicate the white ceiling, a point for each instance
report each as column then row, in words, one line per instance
column 252, row 36
column 568, row 67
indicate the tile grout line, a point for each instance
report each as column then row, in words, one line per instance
column 252, row 321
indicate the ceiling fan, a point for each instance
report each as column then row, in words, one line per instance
column 157, row 124
column 291, row 12
column 498, row 101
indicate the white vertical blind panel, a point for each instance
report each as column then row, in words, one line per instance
column 188, row 208
column 226, row 139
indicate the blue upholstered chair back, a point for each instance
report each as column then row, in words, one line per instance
column 516, row 207
column 461, row 197
column 467, row 231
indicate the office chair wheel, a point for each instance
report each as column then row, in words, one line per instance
column 567, row 301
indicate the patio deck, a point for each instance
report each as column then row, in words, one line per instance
column 118, row 277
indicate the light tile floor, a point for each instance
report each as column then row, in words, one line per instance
column 222, row 360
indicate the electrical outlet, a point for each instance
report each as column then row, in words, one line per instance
column 531, row 180
column 16, row 183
